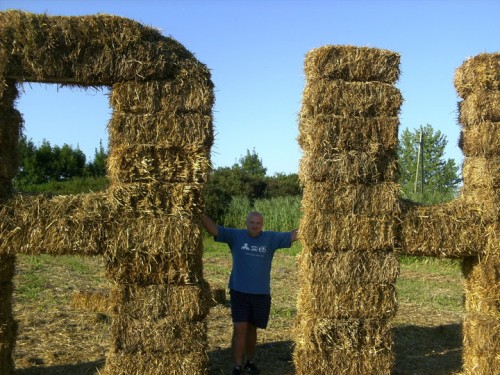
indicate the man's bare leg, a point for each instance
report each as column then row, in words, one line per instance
column 239, row 342
column 251, row 341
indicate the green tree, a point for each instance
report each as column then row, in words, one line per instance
column 45, row 163
column 440, row 178
column 247, row 178
column 283, row 185
column 67, row 163
column 97, row 168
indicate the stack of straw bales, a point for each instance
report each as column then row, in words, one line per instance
column 147, row 223
column 160, row 139
column 10, row 127
column 478, row 82
column 348, row 131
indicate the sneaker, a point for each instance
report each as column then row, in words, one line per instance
column 250, row 368
column 237, row 370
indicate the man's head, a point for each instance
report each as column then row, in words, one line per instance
column 255, row 222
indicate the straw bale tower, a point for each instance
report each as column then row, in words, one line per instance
column 147, row 224
column 478, row 82
column 348, row 131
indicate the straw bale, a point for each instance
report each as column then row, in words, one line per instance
column 453, row 230
column 87, row 50
column 6, row 190
column 91, row 300
column 176, row 129
column 324, row 133
column 481, row 172
column 358, row 299
column 348, row 167
column 164, row 301
column 157, row 198
column 167, row 335
column 6, row 289
column 74, row 224
column 10, row 130
column 478, row 73
column 8, row 333
column 481, row 140
column 186, row 93
column 348, row 99
column 327, row 268
column 340, row 335
column 329, row 198
column 312, row 356
column 158, row 162
column 349, row 232
column 484, row 199
column 7, row 267
column 481, row 344
column 155, row 363
column 309, row 362
column 9, row 230
column 480, row 107
column 352, row 63
column 149, row 251
column 8, row 89
column 217, row 296
column 493, row 245
column 482, row 287
column 8, row 327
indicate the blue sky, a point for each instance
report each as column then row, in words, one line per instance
column 255, row 50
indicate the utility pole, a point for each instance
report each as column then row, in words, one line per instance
column 420, row 163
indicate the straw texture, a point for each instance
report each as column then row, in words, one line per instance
column 146, row 225
column 347, row 269
column 478, row 82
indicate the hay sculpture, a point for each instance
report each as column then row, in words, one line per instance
column 354, row 221
column 146, row 225
column 478, row 82
column 348, row 269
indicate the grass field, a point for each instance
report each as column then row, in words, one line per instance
column 55, row 338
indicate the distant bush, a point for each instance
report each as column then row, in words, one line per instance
column 75, row 185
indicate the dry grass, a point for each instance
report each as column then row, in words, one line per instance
column 55, row 337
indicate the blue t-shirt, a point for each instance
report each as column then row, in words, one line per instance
column 252, row 257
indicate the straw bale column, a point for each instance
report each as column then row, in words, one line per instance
column 478, row 82
column 160, row 139
column 10, row 125
column 348, row 132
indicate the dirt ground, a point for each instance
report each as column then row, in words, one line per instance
column 54, row 338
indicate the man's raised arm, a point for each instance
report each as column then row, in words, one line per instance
column 209, row 225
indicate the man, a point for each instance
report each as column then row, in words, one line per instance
column 249, row 284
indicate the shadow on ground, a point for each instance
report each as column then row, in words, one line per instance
column 418, row 351
column 427, row 350
column 273, row 358
column 87, row 368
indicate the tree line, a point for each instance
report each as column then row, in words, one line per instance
column 46, row 163
column 248, row 177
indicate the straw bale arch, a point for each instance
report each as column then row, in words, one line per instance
column 146, row 224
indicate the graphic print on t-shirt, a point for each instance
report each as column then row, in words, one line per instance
column 255, row 251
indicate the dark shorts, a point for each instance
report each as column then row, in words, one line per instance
column 252, row 308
